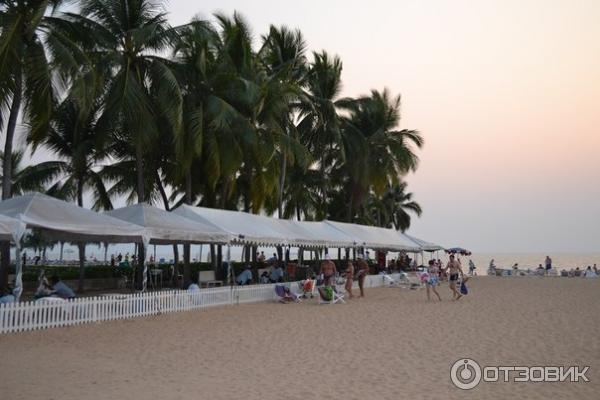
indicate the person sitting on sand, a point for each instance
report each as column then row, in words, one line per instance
column 454, row 269
column 6, row 297
column 277, row 274
column 264, row 277
column 349, row 279
column 363, row 271
column 433, row 280
column 193, row 287
column 60, row 289
column 245, row 277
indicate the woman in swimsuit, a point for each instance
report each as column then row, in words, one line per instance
column 433, row 280
column 349, row 279
column 454, row 270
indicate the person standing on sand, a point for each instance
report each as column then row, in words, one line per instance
column 548, row 264
column 433, row 280
column 454, row 269
column 328, row 270
column 363, row 271
column 349, row 279
column 471, row 267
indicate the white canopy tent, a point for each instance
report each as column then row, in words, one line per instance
column 163, row 227
column 68, row 222
column 11, row 229
column 375, row 237
column 424, row 245
column 328, row 235
column 245, row 228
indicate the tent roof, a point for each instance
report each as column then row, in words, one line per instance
column 424, row 245
column 164, row 227
column 327, row 234
column 244, row 227
column 67, row 221
column 11, row 229
column 376, row 237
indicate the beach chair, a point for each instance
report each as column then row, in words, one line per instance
column 285, row 295
column 307, row 287
column 389, row 281
column 337, row 292
column 412, row 282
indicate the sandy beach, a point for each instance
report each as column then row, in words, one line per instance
column 392, row 344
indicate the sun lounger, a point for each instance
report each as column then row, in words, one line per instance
column 285, row 295
column 337, row 292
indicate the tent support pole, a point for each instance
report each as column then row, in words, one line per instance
column 229, row 269
column 143, row 264
column 18, row 273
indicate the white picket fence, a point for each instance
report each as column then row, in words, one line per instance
column 28, row 316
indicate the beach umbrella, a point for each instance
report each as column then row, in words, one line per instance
column 458, row 250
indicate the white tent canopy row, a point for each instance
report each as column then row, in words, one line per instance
column 145, row 224
column 246, row 228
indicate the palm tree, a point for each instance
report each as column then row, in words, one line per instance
column 128, row 36
column 319, row 124
column 26, row 86
column 379, row 154
column 32, row 178
column 25, row 73
column 283, row 54
column 78, row 146
column 392, row 209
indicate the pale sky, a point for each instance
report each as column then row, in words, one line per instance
column 506, row 94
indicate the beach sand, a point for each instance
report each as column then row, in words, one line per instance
column 392, row 344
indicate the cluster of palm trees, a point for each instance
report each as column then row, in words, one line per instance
column 200, row 114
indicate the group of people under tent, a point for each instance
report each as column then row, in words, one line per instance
column 53, row 287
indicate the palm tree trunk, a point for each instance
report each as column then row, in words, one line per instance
column 187, row 271
column 139, row 164
column 165, row 199
column 7, row 170
column 282, row 184
column 141, row 195
column 81, row 246
column 10, row 134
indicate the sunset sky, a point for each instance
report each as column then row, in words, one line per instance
column 506, row 94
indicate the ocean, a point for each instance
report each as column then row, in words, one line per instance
column 560, row 260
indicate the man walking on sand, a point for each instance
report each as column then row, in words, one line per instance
column 454, row 269
column 363, row 271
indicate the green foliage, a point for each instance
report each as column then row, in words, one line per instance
column 198, row 111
